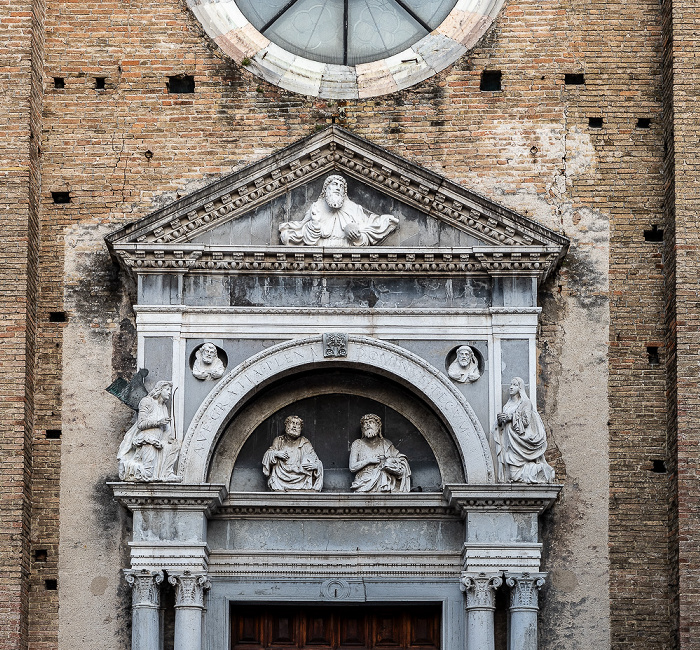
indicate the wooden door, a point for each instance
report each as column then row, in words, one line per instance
column 289, row 627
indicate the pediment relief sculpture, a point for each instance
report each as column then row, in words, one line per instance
column 179, row 237
column 379, row 466
column 207, row 364
column 521, row 440
column 335, row 220
column 150, row 448
column 465, row 368
column 291, row 464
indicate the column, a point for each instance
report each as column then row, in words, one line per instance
column 524, row 587
column 145, row 608
column 189, row 606
column 480, row 592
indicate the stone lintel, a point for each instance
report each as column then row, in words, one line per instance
column 511, row 497
column 169, row 556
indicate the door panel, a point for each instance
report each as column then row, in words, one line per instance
column 291, row 627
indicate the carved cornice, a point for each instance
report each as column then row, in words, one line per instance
column 204, row 498
column 145, row 587
column 189, row 588
column 264, row 505
column 535, row 261
column 524, row 588
column 331, row 150
column 350, row 311
column 503, row 496
column 480, row 589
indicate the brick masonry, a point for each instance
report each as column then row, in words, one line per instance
column 529, row 146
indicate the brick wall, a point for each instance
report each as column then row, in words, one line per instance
column 20, row 107
column 684, row 307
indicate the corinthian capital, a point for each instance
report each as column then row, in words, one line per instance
column 189, row 588
column 524, row 588
column 480, row 589
column 145, row 587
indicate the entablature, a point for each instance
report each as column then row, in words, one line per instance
column 535, row 261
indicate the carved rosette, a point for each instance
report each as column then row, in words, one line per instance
column 145, row 587
column 524, row 588
column 189, row 588
column 335, row 344
column 480, row 589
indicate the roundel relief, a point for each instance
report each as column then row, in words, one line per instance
column 345, row 49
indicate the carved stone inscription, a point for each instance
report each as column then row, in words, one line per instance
column 335, row 220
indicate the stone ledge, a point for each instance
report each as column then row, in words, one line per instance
column 169, row 496
column 511, row 497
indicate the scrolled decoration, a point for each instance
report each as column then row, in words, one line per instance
column 189, row 588
column 524, row 589
column 145, row 587
column 480, row 589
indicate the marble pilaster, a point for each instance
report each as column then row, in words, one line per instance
column 145, row 608
column 480, row 595
column 524, row 588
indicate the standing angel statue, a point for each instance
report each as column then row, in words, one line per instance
column 521, row 440
column 150, row 449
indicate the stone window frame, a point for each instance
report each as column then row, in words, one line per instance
column 224, row 23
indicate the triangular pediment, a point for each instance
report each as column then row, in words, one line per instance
column 214, row 214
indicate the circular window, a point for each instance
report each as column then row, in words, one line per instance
column 345, row 32
column 345, row 49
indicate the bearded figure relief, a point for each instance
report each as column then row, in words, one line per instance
column 465, row 368
column 207, row 364
column 379, row 466
column 334, row 220
column 291, row 462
